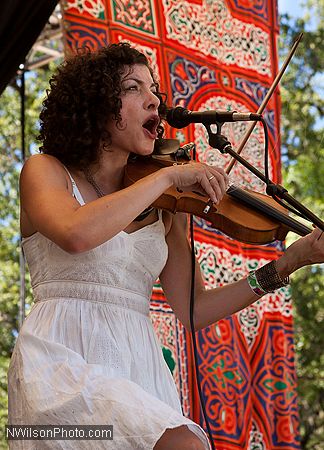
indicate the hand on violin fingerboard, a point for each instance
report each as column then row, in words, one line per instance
column 305, row 251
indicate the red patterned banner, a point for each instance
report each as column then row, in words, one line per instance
column 216, row 54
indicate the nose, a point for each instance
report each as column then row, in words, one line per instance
column 151, row 100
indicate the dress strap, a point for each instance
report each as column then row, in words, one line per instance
column 76, row 193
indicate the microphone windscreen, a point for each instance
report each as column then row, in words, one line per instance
column 176, row 117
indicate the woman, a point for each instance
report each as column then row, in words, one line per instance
column 87, row 353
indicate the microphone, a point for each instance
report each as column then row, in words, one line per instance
column 179, row 117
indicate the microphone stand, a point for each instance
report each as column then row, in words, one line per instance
column 221, row 143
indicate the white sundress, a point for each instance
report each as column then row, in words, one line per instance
column 87, row 353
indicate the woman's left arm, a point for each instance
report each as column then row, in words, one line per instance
column 212, row 305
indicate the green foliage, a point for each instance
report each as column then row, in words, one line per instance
column 9, row 218
column 302, row 108
column 10, row 165
column 308, row 294
column 4, row 364
column 303, row 174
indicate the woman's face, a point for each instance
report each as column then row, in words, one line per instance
column 139, row 112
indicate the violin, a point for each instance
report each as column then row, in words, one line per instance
column 242, row 214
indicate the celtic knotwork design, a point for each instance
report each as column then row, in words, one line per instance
column 253, row 150
column 258, row 7
column 137, row 14
column 81, row 36
column 89, row 8
column 149, row 52
column 219, row 266
column 254, row 90
column 256, row 441
column 211, row 29
column 187, row 77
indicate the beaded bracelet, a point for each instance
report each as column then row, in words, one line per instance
column 266, row 279
column 254, row 284
column 269, row 278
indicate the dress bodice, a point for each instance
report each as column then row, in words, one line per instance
column 130, row 261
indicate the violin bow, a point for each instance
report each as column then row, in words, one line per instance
column 266, row 99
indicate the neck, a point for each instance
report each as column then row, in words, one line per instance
column 109, row 172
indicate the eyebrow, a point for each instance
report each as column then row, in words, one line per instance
column 139, row 81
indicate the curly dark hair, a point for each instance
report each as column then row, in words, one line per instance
column 84, row 92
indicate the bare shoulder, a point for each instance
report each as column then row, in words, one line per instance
column 46, row 200
column 41, row 162
column 43, row 170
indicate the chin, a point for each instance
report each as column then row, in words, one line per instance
column 145, row 150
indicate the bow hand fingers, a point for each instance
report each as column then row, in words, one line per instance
column 213, row 180
column 218, row 180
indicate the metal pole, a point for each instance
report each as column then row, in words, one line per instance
column 22, row 263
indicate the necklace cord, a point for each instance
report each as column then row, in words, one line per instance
column 89, row 177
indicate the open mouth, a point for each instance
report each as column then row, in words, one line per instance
column 151, row 125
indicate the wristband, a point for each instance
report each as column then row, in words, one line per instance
column 254, row 284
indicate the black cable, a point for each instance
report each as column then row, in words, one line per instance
column 192, row 324
column 193, row 335
column 22, row 264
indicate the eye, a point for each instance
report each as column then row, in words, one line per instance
column 131, row 87
column 154, row 88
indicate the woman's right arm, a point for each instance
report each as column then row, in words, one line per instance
column 54, row 212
